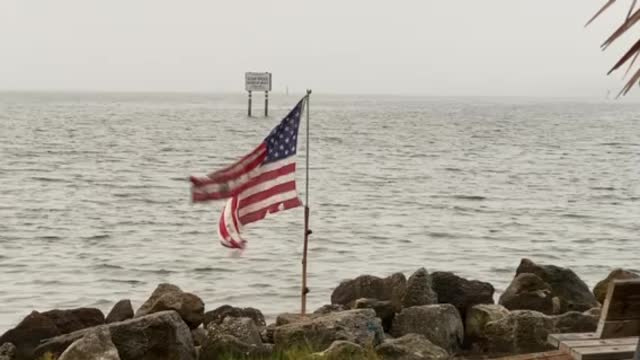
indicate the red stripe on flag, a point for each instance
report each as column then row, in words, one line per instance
column 281, row 188
column 274, row 208
column 228, row 240
column 234, row 171
column 222, row 226
column 234, row 213
column 266, row 176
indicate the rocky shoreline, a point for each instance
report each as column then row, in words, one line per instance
column 427, row 316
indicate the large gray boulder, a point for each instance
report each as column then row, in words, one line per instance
column 329, row 308
column 267, row 333
column 7, row 351
column 121, row 311
column 34, row 328
column 224, row 347
column 219, row 314
column 384, row 310
column 528, row 292
column 159, row 291
column 572, row 292
column 243, row 329
column 94, row 345
column 75, row 319
column 391, row 288
column 419, row 290
column 460, row 292
column 157, row 336
column 600, row 290
column 199, row 335
column 440, row 324
column 520, row 332
column 411, row 347
column 358, row 326
column 234, row 336
column 289, row 318
column 477, row 319
column 28, row 334
column 170, row 297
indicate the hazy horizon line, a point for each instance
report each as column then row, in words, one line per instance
column 302, row 93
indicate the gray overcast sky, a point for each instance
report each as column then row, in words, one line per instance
column 465, row 47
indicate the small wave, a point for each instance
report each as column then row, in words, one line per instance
column 48, row 179
column 584, row 241
column 49, row 237
column 442, row 235
column 121, row 281
column 615, row 144
column 101, row 302
column 98, row 237
column 261, row 285
column 576, row 216
column 194, row 232
column 502, row 270
column 333, row 139
column 151, row 201
column 470, row 197
column 44, row 282
column 452, row 169
column 108, row 266
column 604, row 188
column 159, row 271
column 209, row 269
column 461, row 197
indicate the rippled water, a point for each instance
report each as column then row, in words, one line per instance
column 94, row 203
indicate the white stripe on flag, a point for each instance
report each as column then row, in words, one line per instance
column 266, row 185
column 268, row 202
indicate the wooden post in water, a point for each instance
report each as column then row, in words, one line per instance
column 249, row 112
column 307, row 231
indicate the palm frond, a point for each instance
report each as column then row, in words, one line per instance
column 631, row 53
column 626, row 73
column 633, row 6
column 605, row 7
column 632, row 19
column 628, row 24
column 630, row 84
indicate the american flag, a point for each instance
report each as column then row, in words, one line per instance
column 263, row 182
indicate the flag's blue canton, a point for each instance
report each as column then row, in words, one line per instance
column 283, row 139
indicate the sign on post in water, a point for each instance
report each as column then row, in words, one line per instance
column 254, row 81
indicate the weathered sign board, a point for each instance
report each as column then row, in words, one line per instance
column 258, row 81
column 254, row 81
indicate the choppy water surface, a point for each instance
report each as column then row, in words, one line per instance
column 94, row 205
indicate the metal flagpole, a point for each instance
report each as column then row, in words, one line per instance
column 307, row 232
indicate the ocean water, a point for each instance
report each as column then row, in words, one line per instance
column 95, row 206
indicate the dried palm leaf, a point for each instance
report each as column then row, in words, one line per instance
column 630, row 84
column 631, row 65
column 633, row 17
column 605, row 7
column 633, row 6
column 628, row 24
column 635, row 49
